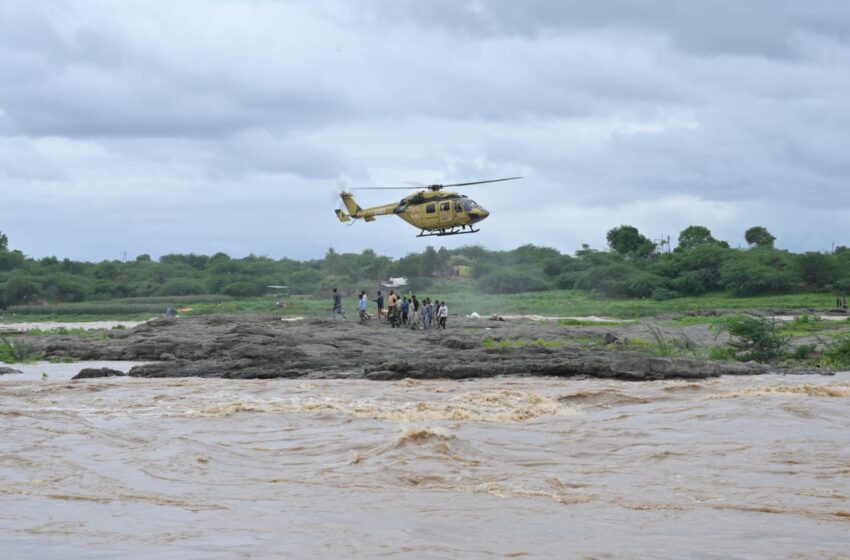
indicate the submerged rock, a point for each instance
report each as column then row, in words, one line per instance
column 92, row 373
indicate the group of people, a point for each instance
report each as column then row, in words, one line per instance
column 405, row 311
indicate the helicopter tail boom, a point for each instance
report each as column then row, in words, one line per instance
column 352, row 207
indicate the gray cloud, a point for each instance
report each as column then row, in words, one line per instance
column 213, row 124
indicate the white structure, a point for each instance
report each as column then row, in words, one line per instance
column 395, row 282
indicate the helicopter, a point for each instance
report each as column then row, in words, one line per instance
column 434, row 211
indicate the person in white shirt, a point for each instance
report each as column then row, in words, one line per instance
column 442, row 315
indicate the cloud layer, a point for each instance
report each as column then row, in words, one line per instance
column 198, row 126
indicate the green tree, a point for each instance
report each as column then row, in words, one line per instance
column 817, row 269
column 693, row 236
column 753, row 273
column 4, row 242
column 759, row 236
column 20, row 288
column 627, row 240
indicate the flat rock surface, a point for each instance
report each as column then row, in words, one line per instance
column 254, row 346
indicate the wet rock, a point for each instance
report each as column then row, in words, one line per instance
column 459, row 343
column 251, row 347
column 93, row 373
column 4, row 370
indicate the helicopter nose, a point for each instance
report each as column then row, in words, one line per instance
column 479, row 214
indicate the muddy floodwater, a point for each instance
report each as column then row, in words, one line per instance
column 510, row 467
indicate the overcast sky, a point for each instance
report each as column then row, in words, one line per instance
column 156, row 126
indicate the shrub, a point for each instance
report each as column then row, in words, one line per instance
column 663, row 294
column 182, row 287
column 12, row 351
column 802, row 352
column 836, row 355
column 753, row 338
column 750, row 277
column 242, row 289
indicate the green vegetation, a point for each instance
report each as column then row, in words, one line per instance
column 633, row 279
column 836, row 355
column 16, row 351
column 754, row 338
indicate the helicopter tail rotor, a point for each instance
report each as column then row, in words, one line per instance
column 343, row 217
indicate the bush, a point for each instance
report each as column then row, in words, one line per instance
column 663, row 294
column 802, row 352
column 511, row 281
column 566, row 281
column 182, row 287
column 754, row 338
column 694, row 282
column 749, row 277
column 619, row 280
column 836, row 355
column 242, row 289
column 20, row 289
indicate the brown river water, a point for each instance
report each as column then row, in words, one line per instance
column 515, row 467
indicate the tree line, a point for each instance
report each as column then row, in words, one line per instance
column 632, row 266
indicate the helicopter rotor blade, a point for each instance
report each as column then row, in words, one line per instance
column 382, row 188
column 480, row 182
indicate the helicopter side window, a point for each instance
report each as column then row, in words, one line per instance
column 431, row 208
column 458, row 207
column 445, row 206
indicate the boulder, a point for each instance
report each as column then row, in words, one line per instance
column 93, row 373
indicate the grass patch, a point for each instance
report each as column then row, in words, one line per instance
column 461, row 296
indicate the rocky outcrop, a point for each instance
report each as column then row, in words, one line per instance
column 264, row 347
column 93, row 373
column 5, row 370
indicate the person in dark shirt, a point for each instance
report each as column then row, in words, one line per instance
column 380, row 301
column 405, row 309
column 337, row 306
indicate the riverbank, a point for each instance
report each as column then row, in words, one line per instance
column 264, row 346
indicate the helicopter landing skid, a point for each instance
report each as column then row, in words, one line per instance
column 457, row 230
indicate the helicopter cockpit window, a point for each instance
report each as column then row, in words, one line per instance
column 431, row 208
column 445, row 206
column 468, row 205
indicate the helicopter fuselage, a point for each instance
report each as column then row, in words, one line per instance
column 435, row 211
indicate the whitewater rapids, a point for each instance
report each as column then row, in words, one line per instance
column 510, row 467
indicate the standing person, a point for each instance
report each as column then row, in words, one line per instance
column 415, row 303
column 429, row 313
column 362, row 302
column 380, row 301
column 405, row 309
column 337, row 307
column 392, row 305
column 443, row 314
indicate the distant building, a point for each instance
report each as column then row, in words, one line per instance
column 277, row 290
column 399, row 282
